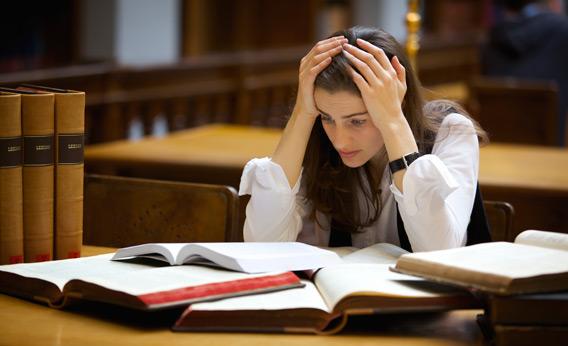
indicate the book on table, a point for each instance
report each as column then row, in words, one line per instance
column 361, row 284
column 244, row 257
column 11, row 203
column 536, row 262
column 139, row 284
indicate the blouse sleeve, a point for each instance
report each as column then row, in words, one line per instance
column 439, row 189
column 275, row 211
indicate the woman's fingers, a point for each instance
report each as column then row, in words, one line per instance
column 378, row 53
column 320, row 52
column 358, row 80
column 400, row 70
column 362, row 66
column 327, row 54
column 324, row 46
column 320, row 66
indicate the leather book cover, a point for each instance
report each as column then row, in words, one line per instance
column 38, row 175
column 69, row 171
column 11, row 214
column 530, row 309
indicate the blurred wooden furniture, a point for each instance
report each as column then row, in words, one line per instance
column 244, row 87
column 500, row 218
column 516, row 111
column 121, row 211
column 100, row 324
column 211, row 153
column 532, row 179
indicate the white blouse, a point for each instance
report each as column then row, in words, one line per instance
column 436, row 205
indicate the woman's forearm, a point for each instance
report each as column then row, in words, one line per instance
column 291, row 149
column 399, row 141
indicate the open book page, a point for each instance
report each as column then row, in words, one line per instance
column 337, row 282
column 551, row 240
column 261, row 257
column 490, row 266
column 131, row 278
column 60, row 272
column 381, row 253
column 306, row 297
column 160, row 251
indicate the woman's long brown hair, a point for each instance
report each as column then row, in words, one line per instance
column 330, row 185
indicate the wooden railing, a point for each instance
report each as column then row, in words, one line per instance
column 253, row 88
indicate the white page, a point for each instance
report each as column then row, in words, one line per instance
column 257, row 257
column 170, row 251
column 61, row 271
column 169, row 278
column 552, row 240
column 296, row 298
column 335, row 283
column 131, row 278
column 498, row 259
column 381, row 253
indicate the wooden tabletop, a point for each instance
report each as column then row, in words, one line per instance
column 231, row 146
column 28, row 323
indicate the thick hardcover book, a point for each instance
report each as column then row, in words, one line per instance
column 69, row 170
column 134, row 284
column 38, row 174
column 536, row 262
column 508, row 335
column 529, row 309
column 254, row 257
column 11, row 214
column 362, row 284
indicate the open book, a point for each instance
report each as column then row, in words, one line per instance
column 536, row 262
column 243, row 257
column 362, row 284
column 132, row 284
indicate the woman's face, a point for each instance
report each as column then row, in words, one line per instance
column 348, row 126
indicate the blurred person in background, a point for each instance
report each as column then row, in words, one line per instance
column 531, row 42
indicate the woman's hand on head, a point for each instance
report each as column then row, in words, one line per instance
column 317, row 59
column 382, row 82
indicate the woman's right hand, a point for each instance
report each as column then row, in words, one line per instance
column 317, row 59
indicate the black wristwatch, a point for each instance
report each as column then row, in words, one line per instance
column 403, row 162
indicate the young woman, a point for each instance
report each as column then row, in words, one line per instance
column 363, row 159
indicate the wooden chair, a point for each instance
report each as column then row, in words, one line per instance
column 516, row 111
column 500, row 218
column 121, row 211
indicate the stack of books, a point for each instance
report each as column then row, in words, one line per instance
column 41, row 173
column 524, row 285
column 297, row 288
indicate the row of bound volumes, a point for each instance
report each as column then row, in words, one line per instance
column 41, row 173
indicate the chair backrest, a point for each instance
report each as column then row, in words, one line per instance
column 500, row 218
column 516, row 111
column 121, row 211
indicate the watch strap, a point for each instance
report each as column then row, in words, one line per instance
column 403, row 162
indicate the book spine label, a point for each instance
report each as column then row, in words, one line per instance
column 10, row 152
column 11, row 205
column 38, row 176
column 69, row 172
column 70, row 149
column 38, row 150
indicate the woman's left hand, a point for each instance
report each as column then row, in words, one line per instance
column 382, row 82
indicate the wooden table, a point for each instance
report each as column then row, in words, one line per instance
column 532, row 178
column 27, row 323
